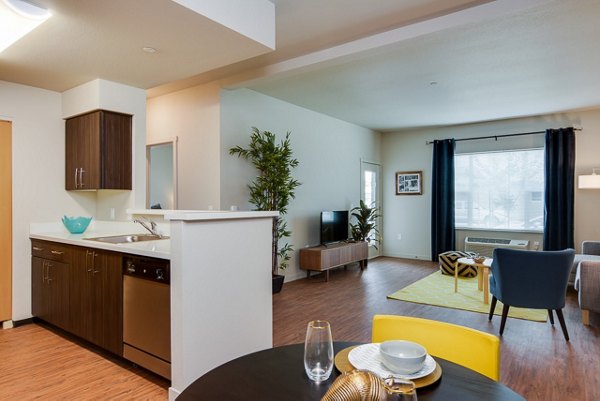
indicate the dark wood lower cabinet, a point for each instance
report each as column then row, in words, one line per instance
column 50, row 296
column 82, row 295
column 97, row 297
column 50, row 270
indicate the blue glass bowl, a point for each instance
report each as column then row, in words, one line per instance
column 76, row 225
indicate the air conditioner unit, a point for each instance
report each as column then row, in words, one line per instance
column 486, row 246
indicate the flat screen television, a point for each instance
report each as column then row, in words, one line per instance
column 334, row 226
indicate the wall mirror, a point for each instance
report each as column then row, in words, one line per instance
column 161, row 174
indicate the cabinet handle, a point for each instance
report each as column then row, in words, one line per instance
column 49, row 265
column 87, row 260
column 94, row 255
column 76, row 185
column 57, row 252
column 36, row 248
column 93, row 267
column 44, row 275
column 81, row 171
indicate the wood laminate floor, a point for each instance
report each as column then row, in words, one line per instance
column 536, row 361
column 37, row 363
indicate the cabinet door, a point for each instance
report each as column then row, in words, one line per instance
column 97, row 298
column 83, row 293
column 115, row 154
column 38, row 282
column 82, row 152
column 56, row 293
column 108, row 266
column 50, row 291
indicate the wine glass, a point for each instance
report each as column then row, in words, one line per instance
column 318, row 351
column 400, row 389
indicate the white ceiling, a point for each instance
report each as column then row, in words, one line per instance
column 539, row 60
column 89, row 39
column 368, row 62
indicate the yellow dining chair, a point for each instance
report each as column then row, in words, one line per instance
column 464, row 346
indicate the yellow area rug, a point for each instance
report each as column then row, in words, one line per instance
column 438, row 290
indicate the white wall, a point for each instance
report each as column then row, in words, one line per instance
column 407, row 151
column 39, row 194
column 587, row 218
column 329, row 151
column 193, row 116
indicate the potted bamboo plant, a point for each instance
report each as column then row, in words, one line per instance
column 272, row 190
column 365, row 226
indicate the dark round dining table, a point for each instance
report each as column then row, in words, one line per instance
column 277, row 374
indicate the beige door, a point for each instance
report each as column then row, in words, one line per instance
column 5, row 221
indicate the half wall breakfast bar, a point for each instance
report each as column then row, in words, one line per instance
column 221, row 290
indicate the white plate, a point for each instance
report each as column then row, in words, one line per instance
column 367, row 357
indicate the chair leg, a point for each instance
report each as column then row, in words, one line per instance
column 504, row 316
column 492, row 307
column 551, row 317
column 563, row 326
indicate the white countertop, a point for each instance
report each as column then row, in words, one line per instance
column 217, row 215
column 192, row 215
column 58, row 233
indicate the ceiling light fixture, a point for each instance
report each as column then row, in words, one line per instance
column 149, row 49
column 17, row 19
column 590, row 181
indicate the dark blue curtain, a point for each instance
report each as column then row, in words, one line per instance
column 559, row 191
column 442, row 198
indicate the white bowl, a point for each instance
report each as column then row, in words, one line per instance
column 404, row 357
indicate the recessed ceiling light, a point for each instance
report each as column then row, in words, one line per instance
column 149, row 49
column 17, row 19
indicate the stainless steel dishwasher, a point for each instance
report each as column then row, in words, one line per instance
column 147, row 313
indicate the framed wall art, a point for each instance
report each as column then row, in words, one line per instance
column 409, row 183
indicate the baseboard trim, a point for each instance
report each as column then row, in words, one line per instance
column 405, row 256
column 173, row 393
column 23, row 322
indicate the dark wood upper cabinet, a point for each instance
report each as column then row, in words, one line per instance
column 98, row 151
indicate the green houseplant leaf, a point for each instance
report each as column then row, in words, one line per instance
column 365, row 226
column 274, row 187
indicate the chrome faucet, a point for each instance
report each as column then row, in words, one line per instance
column 151, row 228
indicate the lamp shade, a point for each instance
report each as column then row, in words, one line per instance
column 591, row 181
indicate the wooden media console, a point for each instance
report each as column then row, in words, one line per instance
column 324, row 257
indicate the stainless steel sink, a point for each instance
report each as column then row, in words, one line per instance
column 128, row 238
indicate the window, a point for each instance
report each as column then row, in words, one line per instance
column 500, row 190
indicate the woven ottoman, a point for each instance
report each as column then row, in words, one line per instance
column 448, row 262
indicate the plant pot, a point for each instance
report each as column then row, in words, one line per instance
column 277, row 283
